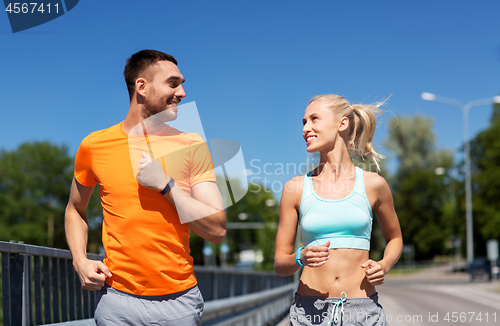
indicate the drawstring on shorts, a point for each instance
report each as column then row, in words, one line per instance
column 335, row 311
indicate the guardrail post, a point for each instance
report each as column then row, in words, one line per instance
column 79, row 303
column 7, row 312
column 244, row 289
column 16, row 277
column 63, row 285
column 70, row 274
column 47, row 284
column 38, row 289
column 93, row 298
column 215, row 284
column 231, row 285
column 86, row 304
column 27, row 290
column 55, row 290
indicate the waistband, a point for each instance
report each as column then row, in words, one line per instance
column 349, row 242
column 108, row 289
column 349, row 302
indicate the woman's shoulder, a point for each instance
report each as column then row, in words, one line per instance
column 374, row 180
column 295, row 184
column 376, row 188
column 292, row 192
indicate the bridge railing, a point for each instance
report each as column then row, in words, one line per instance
column 40, row 286
column 219, row 283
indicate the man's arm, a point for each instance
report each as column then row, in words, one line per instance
column 204, row 213
column 91, row 273
column 211, row 227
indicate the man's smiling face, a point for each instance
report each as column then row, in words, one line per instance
column 164, row 91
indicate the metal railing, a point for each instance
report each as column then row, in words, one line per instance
column 40, row 286
column 219, row 283
column 260, row 308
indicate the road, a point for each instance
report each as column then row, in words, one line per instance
column 425, row 300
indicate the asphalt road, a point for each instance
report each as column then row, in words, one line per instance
column 444, row 300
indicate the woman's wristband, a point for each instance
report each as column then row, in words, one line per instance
column 297, row 257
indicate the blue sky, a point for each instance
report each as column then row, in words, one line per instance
column 252, row 67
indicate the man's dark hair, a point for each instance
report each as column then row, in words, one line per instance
column 138, row 64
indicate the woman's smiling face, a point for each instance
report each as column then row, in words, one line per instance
column 320, row 127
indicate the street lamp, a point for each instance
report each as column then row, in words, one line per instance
column 468, row 191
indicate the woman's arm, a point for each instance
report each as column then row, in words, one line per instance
column 383, row 208
column 284, row 257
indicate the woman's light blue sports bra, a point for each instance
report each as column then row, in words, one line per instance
column 346, row 222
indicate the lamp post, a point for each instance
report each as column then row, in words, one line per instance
column 468, row 191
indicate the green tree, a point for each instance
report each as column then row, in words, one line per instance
column 35, row 181
column 421, row 196
column 34, row 189
column 485, row 158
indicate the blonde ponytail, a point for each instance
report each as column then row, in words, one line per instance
column 361, row 138
column 362, row 124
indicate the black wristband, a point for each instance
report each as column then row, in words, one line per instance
column 168, row 187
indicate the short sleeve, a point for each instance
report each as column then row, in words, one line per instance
column 83, row 164
column 202, row 168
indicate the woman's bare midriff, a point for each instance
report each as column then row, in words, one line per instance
column 342, row 272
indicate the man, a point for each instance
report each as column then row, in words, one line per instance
column 147, row 276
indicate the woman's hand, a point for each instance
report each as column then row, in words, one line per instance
column 315, row 256
column 375, row 273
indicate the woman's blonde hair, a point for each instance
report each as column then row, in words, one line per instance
column 362, row 123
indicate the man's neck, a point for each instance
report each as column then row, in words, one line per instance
column 135, row 123
column 133, row 118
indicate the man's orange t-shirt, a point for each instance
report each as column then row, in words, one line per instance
column 146, row 246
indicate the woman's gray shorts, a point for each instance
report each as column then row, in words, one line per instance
column 308, row 311
column 118, row 308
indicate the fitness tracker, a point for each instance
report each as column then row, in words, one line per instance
column 297, row 257
column 168, row 187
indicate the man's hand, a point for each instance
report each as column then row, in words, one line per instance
column 375, row 274
column 315, row 256
column 151, row 174
column 92, row 274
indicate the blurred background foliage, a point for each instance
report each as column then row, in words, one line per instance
column 35, row 181
column 422, row 185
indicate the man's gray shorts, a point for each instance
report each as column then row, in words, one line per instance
column 308, row 311
column 118, row 308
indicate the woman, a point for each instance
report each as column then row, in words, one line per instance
column 334, row 206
